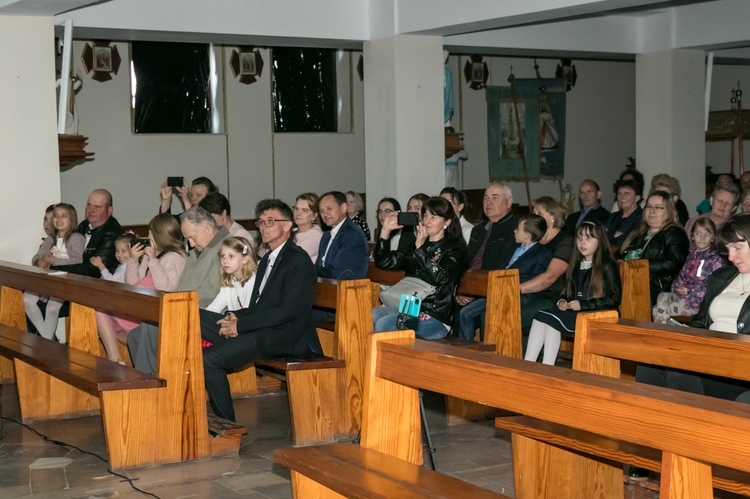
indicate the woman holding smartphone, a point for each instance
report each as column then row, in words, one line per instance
column 434, row 265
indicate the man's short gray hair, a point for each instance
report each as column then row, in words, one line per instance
column 197, row 215
column 505, row 188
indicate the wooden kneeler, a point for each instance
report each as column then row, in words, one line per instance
column 502, row 328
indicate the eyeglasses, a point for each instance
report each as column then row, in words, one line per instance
column 384, row 212
column 654, row 208
column 268, row 223
column 302, row 210
column 702, row 235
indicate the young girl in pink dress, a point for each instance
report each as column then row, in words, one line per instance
column 157, row 265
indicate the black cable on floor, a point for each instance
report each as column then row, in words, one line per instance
column 63, row 444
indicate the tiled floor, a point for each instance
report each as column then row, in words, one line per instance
column 31, row 467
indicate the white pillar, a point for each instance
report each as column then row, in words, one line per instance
column 29, row 161
column 669, row 137
column 404, row 136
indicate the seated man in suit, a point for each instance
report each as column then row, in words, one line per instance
column 343, row 252
column 277, row 323
column 529, row 257
column 592, row 210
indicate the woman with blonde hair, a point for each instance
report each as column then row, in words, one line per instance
column 307, row 232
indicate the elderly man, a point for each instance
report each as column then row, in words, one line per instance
column 491, row 246
column 589, row 194
column 202, row 273
column 343, row 251
column 100, row 229
column 723, row 201
column 276, row 323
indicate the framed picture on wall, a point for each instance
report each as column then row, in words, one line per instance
column 247, row 64
column 477, row 72
column 103, row 59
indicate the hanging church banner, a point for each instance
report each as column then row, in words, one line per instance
column 540, row 122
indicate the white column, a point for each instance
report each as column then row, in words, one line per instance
column 404, row 137
column 29, row 162
column 669, row 94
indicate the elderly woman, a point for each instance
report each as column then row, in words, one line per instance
column 308, row 233
column 629, row 214
column 436, row 259
column 355, row 208
column 660, row 240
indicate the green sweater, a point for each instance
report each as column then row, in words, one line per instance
column 202, row 273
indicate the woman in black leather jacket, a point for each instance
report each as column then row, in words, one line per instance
column 661, row 241
column 437, row 258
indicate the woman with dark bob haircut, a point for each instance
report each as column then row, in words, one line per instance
column 436, row 258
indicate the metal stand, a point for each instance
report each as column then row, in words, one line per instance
column 426, row 427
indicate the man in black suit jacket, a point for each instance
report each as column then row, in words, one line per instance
column 343, row 252
column 277, row 323
column 100, row 229
column 591, row 210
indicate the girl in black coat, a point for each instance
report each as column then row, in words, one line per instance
column 593, row 283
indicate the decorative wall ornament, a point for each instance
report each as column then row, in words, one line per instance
column 247, row 64
column 541, row 115
column 102, row 59
column 567, row 71
column 476, row 72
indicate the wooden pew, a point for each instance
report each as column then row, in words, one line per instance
column 502, row 326
column 325, row 393
column 368, row 475
column 636, row 296
column 602, row 342
column 692, row 432
column 502, row 329
column 143, row 425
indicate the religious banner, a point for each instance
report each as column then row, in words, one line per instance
column 540, row 122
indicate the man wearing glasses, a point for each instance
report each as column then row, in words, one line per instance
column 277, row 322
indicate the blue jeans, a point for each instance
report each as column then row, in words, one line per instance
column 470, row 317
column 384, row 319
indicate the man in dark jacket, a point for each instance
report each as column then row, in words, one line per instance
column 276, row 323
column 100, row 229
column 589, row 194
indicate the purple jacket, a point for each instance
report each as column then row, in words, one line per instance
column 705, row 261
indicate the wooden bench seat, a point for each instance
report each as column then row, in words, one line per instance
column 602, row 342
column 147, row 420
column 613, row 450
column 315, row 391
column 325, row 393
column 692, row 432
column 354, row 472
column 72, row 376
